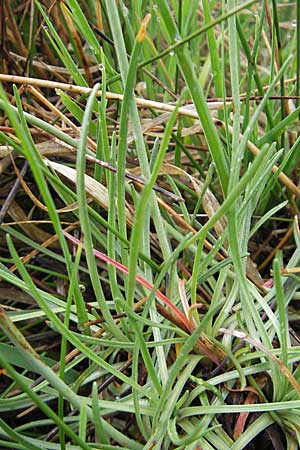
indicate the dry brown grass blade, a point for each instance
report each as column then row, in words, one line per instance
column 42, row 99
column 5, row 150
column 58, row 113
column 153, row 127
column 51, row 241
column 148, row 125
column 55, row 70
column 141, row 102
column 18, row 215
column 186, row 111
column 72, row 207
column 47, row 148
column 36, row 222
column 290, row 270
column 14, row 34
column 280, row 245
column 94, row 189
column 58, row 148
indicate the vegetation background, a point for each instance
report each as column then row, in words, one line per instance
column 149, row 240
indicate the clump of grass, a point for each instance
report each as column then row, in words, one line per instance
column 150, row 240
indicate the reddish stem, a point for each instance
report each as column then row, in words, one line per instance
column 140, row 280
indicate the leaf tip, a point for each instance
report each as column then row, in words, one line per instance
column 142, row 31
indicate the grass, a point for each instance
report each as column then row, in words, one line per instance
column 149, row 225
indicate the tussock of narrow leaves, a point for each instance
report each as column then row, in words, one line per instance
column 149, row 237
